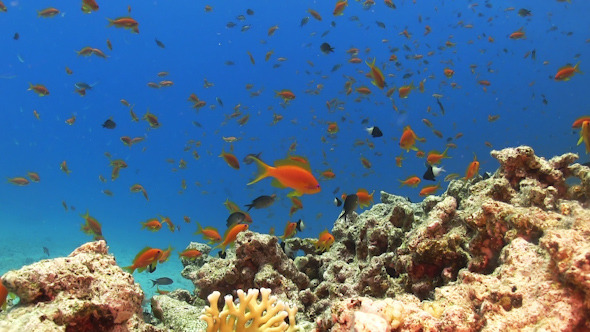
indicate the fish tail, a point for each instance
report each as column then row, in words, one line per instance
column 129, row 269
column 262, row 169
column 577, row 68
column 111, row 22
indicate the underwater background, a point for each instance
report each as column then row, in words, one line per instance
column 205, row 55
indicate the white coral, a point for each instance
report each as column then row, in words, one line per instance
column 249, row 315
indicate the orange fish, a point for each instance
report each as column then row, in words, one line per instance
column 209, row 233
column 339, row 8
column 47, row 12
column 3, row 9
column 147, row 257
column 366, row 163
column 19, row 181
column 125, row 22
column 64, row 167
column 190, row 254
column 230, row 159
column 405, row 90
column 332, row 127
column 288, row 173
column 328, row 174
column 363, row 90
column 39, row 89
column 139, row 188
column 287, row 95
column 519, row 34
column 291, row 228
column 449, row 72
column 365, row 199
column 165, row 255
column 92, row 227
column 3, row 290
column 434, row 157
column 151, row 119
column 168, row 221
column 315, row 14
column 71, row 120
column 566, row 72
column 472, row 169
column 153, row 225
column 411, row 181
column 89, row 6
column 230, row 235
column 408, row 139
column 377, row 75
column 34, row 176
column 324, row 241
column 585, row 135
column 580, row 120
column 399, row 159
column 429, row 190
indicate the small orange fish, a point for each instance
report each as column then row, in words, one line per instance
column 153, row 225
column 324, row 241
column 190, row 254
column 315, row 14
column 366, row 163
column 328, row 174
column 168, row 221
column 151, row 119
column 566, row 72
column 449, row 72
column 3, row 290
column 472, row 168
column 332, row 128
column 411, row 181
column 399, row 159
column 429, row 190
column 363, row 90
column 230, row 159
column 165, row 255
column 579, row 121
column 147, row 257
column 405, row 90
column 287, row 95
column 19, row 181
column 434, row 157
column 209, row 233
column 34, row 176
column 47, row 12
column 39, row 89
column 71, row 120
column 364, row 198
column 339, row 8
column 125, row 22
column 288, row 173
column 92, row 226
column 89, row 6
column 585, row 135
column 2, row 9
column 64, row 167
column 230, row 235
column 519, row 34
column 377, row 75
column 139, row 188
column 408, row 140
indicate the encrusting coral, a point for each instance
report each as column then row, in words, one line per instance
column 249, row 315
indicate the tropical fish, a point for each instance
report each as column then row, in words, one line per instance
column 92, row 226
column 472, row 168
column 291, row 228
column 19, row 181
column 585, row 135
column 287, row 95
column 190, row 254
column 339, row 8
column 432, row 172
column 89, row 6
column 64, row 167
column 147, row 257
column 34, row 176
column 162, row 281
column 153, row 225
column 377, row 75
column 350, row 204
column 408, row 139
column 434, row 157
column 39, row 89
column 3, row 290
column 47, row 12
column 324, row 241
column 411, row 181
column 230, row 235
column 364, row 198
column 289, row 173
column 326, row 48
column 109, row 124
column 230, row 159
column 165, row 255
column 566, row 72
column 374, row 131
column 261, row 202
column 139, row 188
column 125, row 22
column 209, row 233
column 429, row 190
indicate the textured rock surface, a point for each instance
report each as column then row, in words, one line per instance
column 85, row 291
column 177, row 315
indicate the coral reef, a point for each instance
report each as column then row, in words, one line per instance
column 85, row 291
column 268, row 314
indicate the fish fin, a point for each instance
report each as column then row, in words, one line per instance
column 262, row 170
column 294, row 194
column 276, row 183
column 580, row 140
column 128, row 269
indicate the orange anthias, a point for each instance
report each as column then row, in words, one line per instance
column 153, row 225
column 434, row 157
column 125, row 22
column 230, row 235
column 585, row 135
column 408, row 139
column 288, row 173
column 3, row 295
column 472, row 169
column 365, row 199
column 377, row 75
column 566, row 72
column 146, row 257
column 411, row 181
column 287, row 95
column 209, row 233
column 324, row 241
column 580, row 120
column 339, row 8
column 191, row 254
column 429, row 190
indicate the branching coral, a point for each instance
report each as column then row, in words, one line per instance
column 249, row 315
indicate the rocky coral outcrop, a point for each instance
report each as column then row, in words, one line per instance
column 85, row 291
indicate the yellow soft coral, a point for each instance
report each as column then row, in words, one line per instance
column 249, row 315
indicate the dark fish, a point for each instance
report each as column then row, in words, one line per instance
column 326, row 48
column 534, row 54
column 160, row 44
column 109, row 124
column 336, row 67
column 325, row 33
column 288, row 250
column 162, row 281
column 83, row 86
column 524, row 12
column 442, row 109
column 544, row 99
column 350, row 204
column 221, row 254
column 429, row 175
column 247, row 160
column 407, row 75
column 486, row 175
column 337, row 201
column 16, row 36
column 300, row 225
column 235, row 218
column 219, row 101
column 241, row 18
column 46, row 251
column 262, row 202
column 365, row 121
column 245, row 27
column 249, row 11
column 230, row 25
column 333, row 24
column 375, row 131
column 151, row 268
column 380, row 24
column 304, row 21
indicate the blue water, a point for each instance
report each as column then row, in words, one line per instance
column 197, row 46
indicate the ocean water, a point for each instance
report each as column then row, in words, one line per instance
column 533, row 108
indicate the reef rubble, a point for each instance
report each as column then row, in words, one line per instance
column 85, row 291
